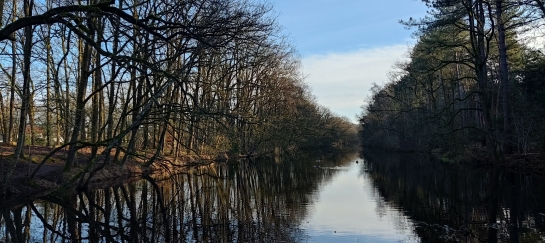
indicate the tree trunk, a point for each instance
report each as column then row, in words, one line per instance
column 31, row 114
column 504, row 76
column 97, row 83
column 67, row 113
column 12, row 79
column 479, row 43
column 25, row 99
column 80, row 98
column 3, row 118
column 4, row 121
column 49, row 64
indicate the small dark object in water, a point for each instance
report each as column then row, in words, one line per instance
column 357, row 162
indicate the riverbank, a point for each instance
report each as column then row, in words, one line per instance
column 50, row 176
column 530, row 163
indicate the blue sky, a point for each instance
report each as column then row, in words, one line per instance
column 347, row 45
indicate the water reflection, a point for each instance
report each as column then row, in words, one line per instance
column 450, row 203
column 246, row 201
column 384, row 198
column 348, row 209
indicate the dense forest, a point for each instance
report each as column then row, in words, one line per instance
column 146, row 79
column 474, row 81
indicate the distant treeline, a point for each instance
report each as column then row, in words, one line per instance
column 472, row 81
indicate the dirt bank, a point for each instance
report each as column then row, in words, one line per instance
column 50, row 175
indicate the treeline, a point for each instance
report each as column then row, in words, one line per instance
column 170, row 77
column 471, row 82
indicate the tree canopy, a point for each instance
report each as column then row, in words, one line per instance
column 465, row 85
column 145, row 79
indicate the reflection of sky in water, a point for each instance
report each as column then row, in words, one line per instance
column 348, row 209
column 344, row 207
column 293, row 202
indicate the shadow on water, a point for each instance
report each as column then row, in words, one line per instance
column 451, row 203
column 244, row 201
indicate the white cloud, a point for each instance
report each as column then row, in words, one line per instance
column 341, row 81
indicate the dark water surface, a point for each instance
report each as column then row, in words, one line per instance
column 382, row 198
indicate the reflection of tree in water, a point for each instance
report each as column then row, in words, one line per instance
column 451, row 203
column 247, row 201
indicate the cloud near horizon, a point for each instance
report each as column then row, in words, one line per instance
column 341, row 81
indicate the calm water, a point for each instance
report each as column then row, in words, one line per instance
column 382, row 198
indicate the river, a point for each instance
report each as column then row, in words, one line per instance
column 366, row 197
